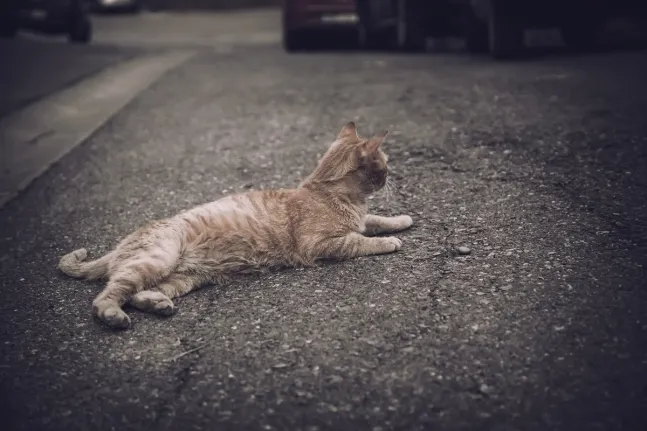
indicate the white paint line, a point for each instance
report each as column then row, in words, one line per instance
column 34, row 138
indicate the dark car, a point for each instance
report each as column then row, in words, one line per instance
column 501, row 23
column 132, row 6
column 69, row 17
column 303, row 18
column 398, row 24
column 496, row 26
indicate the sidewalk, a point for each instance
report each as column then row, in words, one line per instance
column 33, row 69
column 222, row 29
column 208, row 4
column 36, row 66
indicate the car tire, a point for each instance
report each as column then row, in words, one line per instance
column 8, row 20
column 8, row 30
column 505, row 30
column 295, row 40
column 372, row 37
column 579, row 29
column 378, row 40
column 475, row 32
column 580, row 36
column 136, row 8
column 80, row 30
column 411, row 31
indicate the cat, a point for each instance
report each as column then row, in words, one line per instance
column 325, row 217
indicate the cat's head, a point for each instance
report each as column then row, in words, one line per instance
column 353, row 159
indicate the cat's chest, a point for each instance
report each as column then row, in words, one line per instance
column 360, row 224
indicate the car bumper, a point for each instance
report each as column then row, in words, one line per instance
column 115, row 4
column 300, row 16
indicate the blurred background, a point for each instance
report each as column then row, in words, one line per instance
column 517, row 142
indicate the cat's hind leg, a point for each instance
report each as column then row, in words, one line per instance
column 158, row 300
column 179, row 284
column 152, row 301
column 142, row 271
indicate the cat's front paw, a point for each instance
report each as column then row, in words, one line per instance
column 392, row 243
column 404, row 222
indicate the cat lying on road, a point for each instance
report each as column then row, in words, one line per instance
column 324, row 218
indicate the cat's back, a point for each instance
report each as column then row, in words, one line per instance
column 254, row 209
column 250, row 227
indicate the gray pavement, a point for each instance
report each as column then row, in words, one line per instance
column 539, row 167
column 220, row 30
column 36, row 66
column 33, row 68
column 40, row 134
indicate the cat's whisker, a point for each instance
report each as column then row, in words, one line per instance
column 388, row 188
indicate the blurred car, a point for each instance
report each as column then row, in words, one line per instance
column 70, row 17
column 501, row 23
column 302, row 18
column 397, row 24
column 496, row 26
column 132, row 6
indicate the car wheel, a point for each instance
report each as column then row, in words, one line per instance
column 8, row 29
column 295, row 40
column 8, row 21
column 580, row 36
column 580, row 29
column 136, row 7
column 373, row 37
column 411, row 29
column 382, row 39
column 475, row 32
column 505, row 30
column 80, row 30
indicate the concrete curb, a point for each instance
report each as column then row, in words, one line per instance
column 36, row 137
column 177, row 5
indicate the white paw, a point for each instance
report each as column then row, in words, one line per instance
column 394, row 242
column 404, row 221
column 115, row 318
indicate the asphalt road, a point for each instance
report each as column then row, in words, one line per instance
column 539, row 167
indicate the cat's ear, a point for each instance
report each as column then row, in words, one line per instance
column 374, row 143
column 348, row 131
column 369, row 148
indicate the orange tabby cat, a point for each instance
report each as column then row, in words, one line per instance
column 325, row 217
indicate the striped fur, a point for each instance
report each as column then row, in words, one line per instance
column 325, row 217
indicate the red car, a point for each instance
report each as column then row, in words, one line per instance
column 303, row 18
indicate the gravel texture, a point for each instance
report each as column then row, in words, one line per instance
column 539, row 168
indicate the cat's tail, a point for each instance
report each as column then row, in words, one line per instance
column 73, row 264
